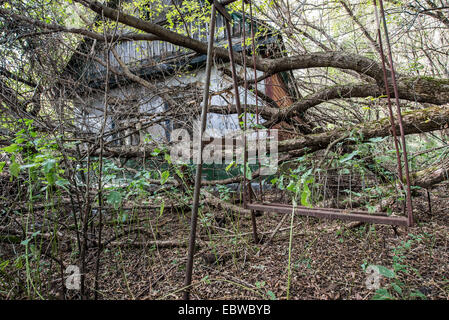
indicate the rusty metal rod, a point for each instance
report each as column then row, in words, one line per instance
column 401, row 127
column 199, row 167
column 248, row 184
column 331, row 214
column 240, row 114
column 237, row 98
column 256, row 93
column 387, row 90
column 227, row 18
column 327, row 209
column 245, row 114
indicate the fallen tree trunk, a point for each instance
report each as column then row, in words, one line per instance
column 430, row 176
column 420, row 121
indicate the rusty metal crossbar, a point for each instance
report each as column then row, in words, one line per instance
column 331, row 213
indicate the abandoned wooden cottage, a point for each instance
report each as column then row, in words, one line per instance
column 175, row 74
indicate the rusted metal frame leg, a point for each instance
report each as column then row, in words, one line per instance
column 253, row 212
column 253, row 216
column 387, row 90
column 256, row 93
column 199, row 167
column 249, row 188
column 245, row 120
column 401, row 127
column 253, row 47
column 240, row 114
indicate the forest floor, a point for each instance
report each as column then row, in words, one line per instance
column 328, row 259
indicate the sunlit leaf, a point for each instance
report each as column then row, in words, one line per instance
column 114, row 198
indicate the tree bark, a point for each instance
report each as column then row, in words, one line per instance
column 420, row 121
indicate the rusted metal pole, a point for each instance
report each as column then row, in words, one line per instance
column 401, row 127
column 199, row 167
column 237, row 101
column 227, row 18
column 248, row 184
column 387, row 90
column 256, row 93
column 246, row 188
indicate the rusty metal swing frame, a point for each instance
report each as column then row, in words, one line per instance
column 327, row 213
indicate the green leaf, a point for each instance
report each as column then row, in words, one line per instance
column 62, row 183
column 30, row 165
column 206, row 280
column 349, row 156
column 396, row 288
column 377, row 139
column 161, row 210
column 26, row 241
column 292, row 186
column 418, row 294
column 4, row 264
column 114, row 198
column 155, row 152
column 14, row 169
column 271, row 295
column 164, row 176
column 384, row 271
column 230, row 166
column 305, row 194
column 400, row 267
column 2, row 165
column 248, row 171
column 281, row 183
column 11, row 148
column 382, row 294
column 48, row 165
column 123, row 218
